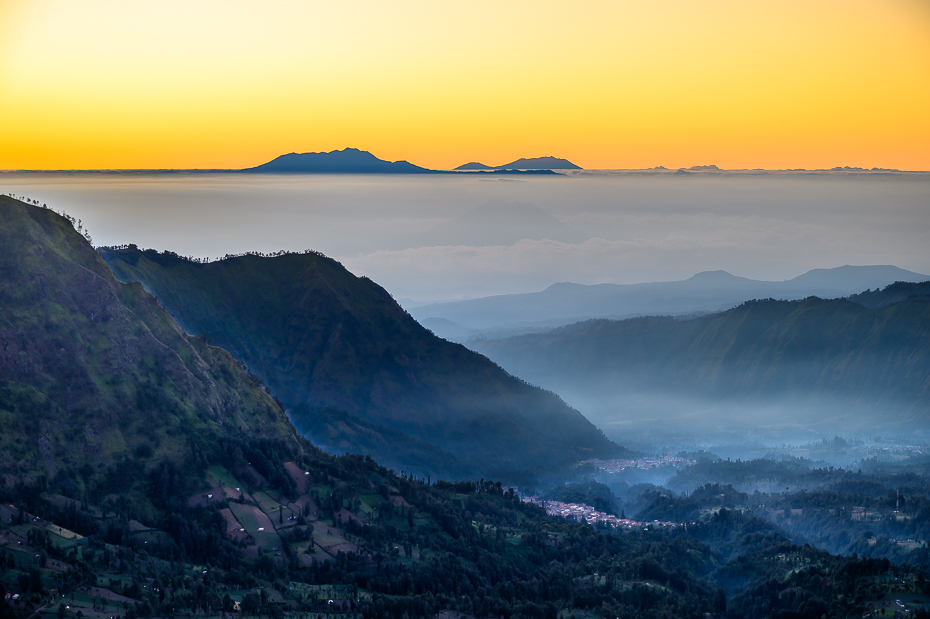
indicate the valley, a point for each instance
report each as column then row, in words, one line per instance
column 156, row 475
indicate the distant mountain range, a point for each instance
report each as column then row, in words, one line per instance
column 709, row 291
column 535, row 163
column 357, row 372
column 355, row 161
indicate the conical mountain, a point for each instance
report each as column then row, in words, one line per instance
column 358, row 372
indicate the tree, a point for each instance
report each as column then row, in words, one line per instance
column 720, row 601
column 250, row 604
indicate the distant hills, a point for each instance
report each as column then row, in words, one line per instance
column 346, row 161
column 357, row 372
column 859, row 368
column 474, row 165
column 710, row 291
column 355, row 161
column 97, row 383
column 535, row 163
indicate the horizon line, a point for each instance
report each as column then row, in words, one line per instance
column 654, row 169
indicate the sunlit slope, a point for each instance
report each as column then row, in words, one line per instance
column 810, row 349
column 97, row 383
column 321, row 337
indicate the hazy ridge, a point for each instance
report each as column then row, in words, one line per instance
column 706, row 292
column 843, row 365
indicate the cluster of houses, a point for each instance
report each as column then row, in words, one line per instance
column 585, row 513
column 654, row 462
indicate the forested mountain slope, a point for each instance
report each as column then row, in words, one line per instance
column 812, row 348
column 97, row 382
column 354, row 367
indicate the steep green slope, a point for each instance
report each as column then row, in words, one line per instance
column 97, row 384
column 325, row 339
column 811, row 348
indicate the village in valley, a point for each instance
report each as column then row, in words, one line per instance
column 586, row 513
column 643, row 464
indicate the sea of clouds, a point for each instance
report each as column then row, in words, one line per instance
column 639, row 227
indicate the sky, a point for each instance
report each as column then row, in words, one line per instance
column 607, row 84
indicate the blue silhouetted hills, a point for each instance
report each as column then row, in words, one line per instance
column 706, row 292
column 540, row 163
column 474, row 165
column 533, row 163
column 826, row 351
column 355, row 161
column 346, row 161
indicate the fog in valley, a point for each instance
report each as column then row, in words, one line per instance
column 440, row 238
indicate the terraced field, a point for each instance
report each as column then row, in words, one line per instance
column 223, row 477
column 266, row 503
column 300, row 476
column 331, row 539
column 251, row 518
column 268, row 540
column 233, row 527
column 70, row 536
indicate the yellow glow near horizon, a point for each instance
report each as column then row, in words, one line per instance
column 209, row 84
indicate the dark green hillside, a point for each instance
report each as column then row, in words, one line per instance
column 97, row 383
column 326, row 339
column 811, row 348
column 891, row 294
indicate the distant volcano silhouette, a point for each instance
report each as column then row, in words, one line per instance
column 346, row 161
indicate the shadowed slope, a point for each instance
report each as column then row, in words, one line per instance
column 322, row 337
column 814, row 349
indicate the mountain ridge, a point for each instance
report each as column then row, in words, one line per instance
column 705, row 292
column 325, row 339
column 836, row 352
column 531, row 163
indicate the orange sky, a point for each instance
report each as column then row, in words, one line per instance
column 607, row 84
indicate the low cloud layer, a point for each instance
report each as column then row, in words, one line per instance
column 397, row 230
